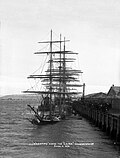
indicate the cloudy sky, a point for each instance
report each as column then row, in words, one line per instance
column 93, row 27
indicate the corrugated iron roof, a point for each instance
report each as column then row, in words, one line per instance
column 114, row 91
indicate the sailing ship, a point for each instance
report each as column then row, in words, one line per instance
column 60, row 82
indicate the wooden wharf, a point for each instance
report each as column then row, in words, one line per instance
column 108, row 120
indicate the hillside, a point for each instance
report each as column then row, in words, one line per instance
column 19, row 97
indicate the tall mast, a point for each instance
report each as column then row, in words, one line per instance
column 64, row 69
column 51, row 73
column 60, row 78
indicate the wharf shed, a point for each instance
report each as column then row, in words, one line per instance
column 114, row 95
column 114, row 91
column 112, row 98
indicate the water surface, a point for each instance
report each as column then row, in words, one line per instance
column 70, row 138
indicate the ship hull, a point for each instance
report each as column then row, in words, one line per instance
column 43, row 122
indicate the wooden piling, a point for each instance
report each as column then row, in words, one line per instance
column 106, row 121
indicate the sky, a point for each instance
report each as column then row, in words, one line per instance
column 92, row 26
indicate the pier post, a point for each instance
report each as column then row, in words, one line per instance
column 108, row 124
column 112, row 127
column 100, row 123
column 118, row 130
column 104, row 122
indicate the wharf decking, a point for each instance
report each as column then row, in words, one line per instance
column 108, row 120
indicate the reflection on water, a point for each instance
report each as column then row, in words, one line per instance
column 66, row 139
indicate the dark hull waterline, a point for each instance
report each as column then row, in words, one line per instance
column 43, row 122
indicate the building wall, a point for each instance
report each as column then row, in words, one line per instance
column 116, row 103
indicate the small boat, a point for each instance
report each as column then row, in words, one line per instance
column 60, row 83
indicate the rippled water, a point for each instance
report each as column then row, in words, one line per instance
column 66, row 139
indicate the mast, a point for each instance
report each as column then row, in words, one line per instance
column 60, row 78
column 64, row 69
column 51, row 73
